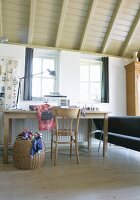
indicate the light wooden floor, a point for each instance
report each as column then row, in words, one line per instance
column 116, row 177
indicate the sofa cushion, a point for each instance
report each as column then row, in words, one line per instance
column 124, row 125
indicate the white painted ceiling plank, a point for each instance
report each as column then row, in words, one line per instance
column 87, row 27
column 31, row 21
column 15, row 18
column 0, row 19
column 61, row 22
column 113, row 22
column 131, row 33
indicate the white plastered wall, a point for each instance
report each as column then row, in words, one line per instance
column 70, row 79
column 69, row 83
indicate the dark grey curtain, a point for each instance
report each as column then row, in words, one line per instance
column 27, row 95
column 105, row 81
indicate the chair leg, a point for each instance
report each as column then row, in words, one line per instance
column 76, row 150
column 71, row 139
column 56, row 148
column 51, row 146
column 100, row 141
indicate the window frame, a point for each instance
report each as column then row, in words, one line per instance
column 91, row 61
column 44, row 54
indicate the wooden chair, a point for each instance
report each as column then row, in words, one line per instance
column 67, row 123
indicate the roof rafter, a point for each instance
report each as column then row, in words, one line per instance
column 31, row 21
column 0, row 19
column 131, row 33
column 61, row 22
column 112, row 24
column 87, row 26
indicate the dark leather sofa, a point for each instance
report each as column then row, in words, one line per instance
column 122, row 131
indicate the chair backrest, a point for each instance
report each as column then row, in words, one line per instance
column 66, row 118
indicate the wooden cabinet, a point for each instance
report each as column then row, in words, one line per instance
column 133, row 88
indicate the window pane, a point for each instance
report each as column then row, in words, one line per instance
column 47, row 86
column 90, row 80
column 95, row 72
column 95, row 91
column 84, row 91
column 37, row 67
column 36, row 87
column 84, row 72
column 48, row 65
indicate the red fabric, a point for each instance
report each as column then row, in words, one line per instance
column 44, row 124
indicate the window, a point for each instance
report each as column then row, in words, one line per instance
column 90, row 80
column 45, row 70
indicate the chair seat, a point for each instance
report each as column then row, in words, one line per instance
column 63, row 132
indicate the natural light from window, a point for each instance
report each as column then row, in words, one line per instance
column 45, row 76
column 90, row 80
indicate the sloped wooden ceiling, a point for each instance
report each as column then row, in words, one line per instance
column 110, row 27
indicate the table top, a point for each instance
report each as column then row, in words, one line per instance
column 33, row 112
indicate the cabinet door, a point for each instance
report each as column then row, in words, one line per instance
column 131, row 92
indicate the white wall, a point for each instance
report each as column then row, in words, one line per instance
column 117, row 87
column 70, row 75
column 70, row 79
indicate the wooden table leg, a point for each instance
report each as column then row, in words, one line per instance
column 105, row 135
column 6, row 139
column 89, row 132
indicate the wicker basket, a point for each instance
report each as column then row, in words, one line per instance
column 22, row 158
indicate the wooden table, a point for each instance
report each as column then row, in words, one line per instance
column 8, row 115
